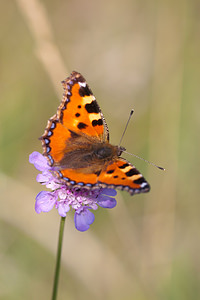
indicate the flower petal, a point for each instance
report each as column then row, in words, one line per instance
column 106, row 201
column 45, row 201
column 63, row 207
column 93, row 206
column 109, row 192
column 83, row 220
column 39, row 161
column 43, row 178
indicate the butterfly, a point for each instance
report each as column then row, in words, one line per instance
column 76, row 144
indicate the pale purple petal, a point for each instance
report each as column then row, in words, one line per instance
column 63, row 207
column 63, row 193
column 93, row 206
column 53, row 185
column 45, row 201
column 44, row 177
column 106, row 201
column 109, row 192
column 83, row 220
column 40, row 162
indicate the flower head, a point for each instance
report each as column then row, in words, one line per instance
column 64, row 198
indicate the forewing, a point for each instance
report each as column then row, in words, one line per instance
column 77, row 115
column 79, row 110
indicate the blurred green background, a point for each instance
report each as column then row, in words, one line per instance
column 134, row 54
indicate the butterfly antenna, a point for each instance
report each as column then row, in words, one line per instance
column 161, row 168
column 131, row 113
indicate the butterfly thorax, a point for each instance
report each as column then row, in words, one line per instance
column 107, row 151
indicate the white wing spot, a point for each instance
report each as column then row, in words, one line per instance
column 143, row 184
column 83, row 84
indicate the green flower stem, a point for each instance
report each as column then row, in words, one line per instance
column 58, row 259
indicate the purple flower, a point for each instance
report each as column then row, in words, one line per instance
column 65, row 198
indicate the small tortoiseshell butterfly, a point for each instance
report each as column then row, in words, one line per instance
column 76, row 144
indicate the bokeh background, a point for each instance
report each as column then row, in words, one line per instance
column 134, row 54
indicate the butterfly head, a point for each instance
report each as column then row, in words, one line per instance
column 107, row 151
column 120, row 150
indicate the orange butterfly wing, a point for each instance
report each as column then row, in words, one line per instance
column 123, row 175
column 79, row 110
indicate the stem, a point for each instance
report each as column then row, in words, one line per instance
column 57, row 269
